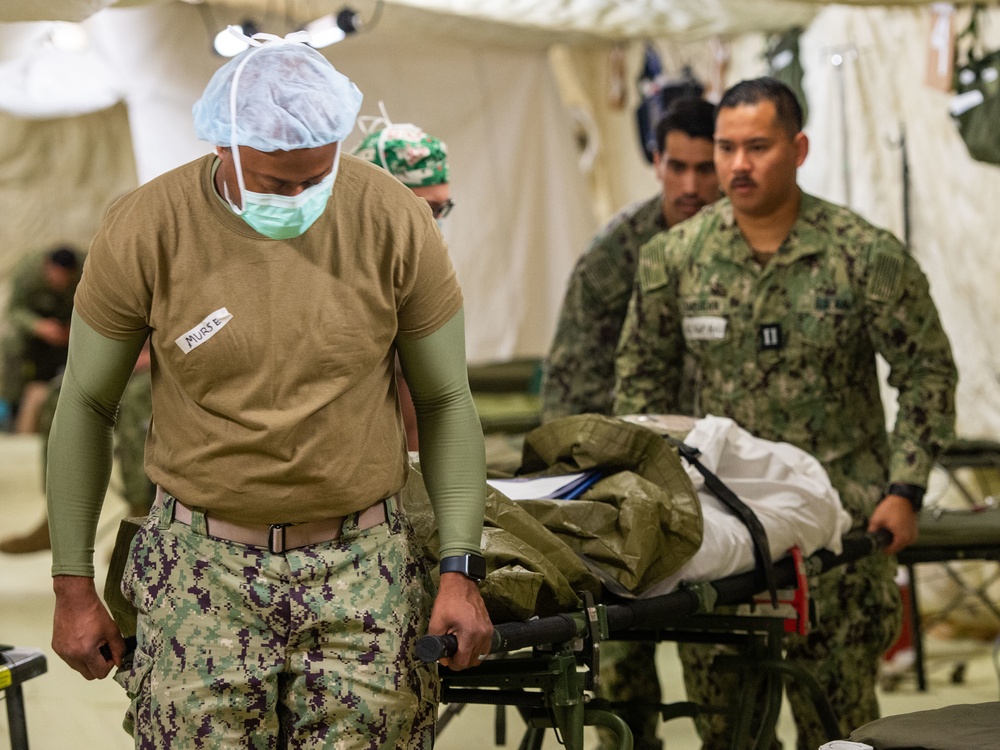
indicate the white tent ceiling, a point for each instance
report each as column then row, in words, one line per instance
column 606, row 19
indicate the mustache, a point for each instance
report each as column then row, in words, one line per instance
column 742, row 181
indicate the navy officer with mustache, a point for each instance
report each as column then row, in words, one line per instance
column 782, row 301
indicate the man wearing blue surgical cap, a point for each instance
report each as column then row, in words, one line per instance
column 279, row 593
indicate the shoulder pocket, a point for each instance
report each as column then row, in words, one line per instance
column 884, row 276
column 652, row 272
column 610, row 280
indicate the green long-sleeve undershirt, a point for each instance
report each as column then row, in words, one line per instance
column 452, row 456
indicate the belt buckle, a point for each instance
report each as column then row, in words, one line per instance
column 276, row 538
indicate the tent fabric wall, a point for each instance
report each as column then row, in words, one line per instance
column 621, row 175
column 953, row 199
column 57, row 178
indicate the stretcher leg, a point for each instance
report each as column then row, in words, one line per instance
column 548, row 690
column 918, row 630
column 15, row 718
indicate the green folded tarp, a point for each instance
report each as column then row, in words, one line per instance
column 631, row 529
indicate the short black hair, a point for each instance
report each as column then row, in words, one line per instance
column 64, row 257
column 756, row 90
column 689, row 114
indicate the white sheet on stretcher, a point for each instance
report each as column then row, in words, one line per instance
column 786, row 487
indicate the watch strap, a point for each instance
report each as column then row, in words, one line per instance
column 912, row 492
column 470, row 565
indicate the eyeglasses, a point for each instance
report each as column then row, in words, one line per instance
column 440, row 210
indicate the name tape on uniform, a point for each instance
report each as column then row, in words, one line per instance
column 202, row 332
column 704, row 328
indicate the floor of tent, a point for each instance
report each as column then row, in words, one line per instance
column 64, row 710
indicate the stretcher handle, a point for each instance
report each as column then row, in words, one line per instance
column 509, row 636
column 430, row 648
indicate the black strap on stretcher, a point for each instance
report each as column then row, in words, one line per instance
column 761, row 548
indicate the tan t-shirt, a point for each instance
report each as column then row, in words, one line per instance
column 274, row 397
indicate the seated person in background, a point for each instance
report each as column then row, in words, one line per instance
column 38, row 313
column 420, row 162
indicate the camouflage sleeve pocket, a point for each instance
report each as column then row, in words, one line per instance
column 884, row 277
column 652, row 273
column 608, row 281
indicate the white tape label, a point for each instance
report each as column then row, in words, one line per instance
column 704, row 328
column 202, row 332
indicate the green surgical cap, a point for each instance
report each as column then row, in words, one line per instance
column 408, row 153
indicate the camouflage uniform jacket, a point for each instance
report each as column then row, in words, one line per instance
column 788, row 349
column 580, row 368
column 31, row 299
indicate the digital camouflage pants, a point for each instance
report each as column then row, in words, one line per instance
column 311, row 648
column 859, row 617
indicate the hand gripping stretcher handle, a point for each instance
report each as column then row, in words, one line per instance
column 645, row 613
column 508, row 636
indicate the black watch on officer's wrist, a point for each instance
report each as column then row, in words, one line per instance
column 912, row 492
column 470, row 565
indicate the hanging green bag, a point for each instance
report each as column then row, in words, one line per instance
column 976, row 104
column 784, row 63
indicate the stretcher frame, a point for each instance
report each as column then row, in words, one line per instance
column 552, row 685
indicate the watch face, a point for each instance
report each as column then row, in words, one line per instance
column 477, row 567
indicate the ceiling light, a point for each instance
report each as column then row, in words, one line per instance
column 330, row 29
column 68, row 37
column 324, row 31
column 228, row 44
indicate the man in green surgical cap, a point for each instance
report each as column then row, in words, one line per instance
column 279, row 591
column 419, row 161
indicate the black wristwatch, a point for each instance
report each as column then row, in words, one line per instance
column 470, row 565
column 912, row 492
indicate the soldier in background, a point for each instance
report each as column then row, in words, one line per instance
column 783, row 300
column 579, row 371
column 134, row 413
column 33, row 351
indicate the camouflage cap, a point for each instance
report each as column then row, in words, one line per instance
column 408, row 153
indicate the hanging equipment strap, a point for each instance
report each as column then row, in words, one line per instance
column 762, row 550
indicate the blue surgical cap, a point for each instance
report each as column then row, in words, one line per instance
column 288, row 97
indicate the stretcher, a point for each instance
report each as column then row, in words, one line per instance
column 548, row 667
